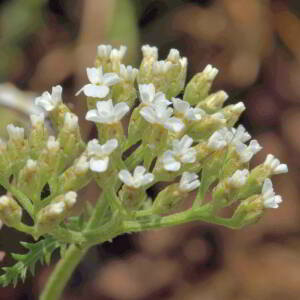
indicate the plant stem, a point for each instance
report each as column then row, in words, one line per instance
column 63, row 272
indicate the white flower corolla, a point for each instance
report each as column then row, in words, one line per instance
column 185, row 109
column 210, row 72
column 107, row 113
column 189, row 182
column 173, row 56
column 50, row 101
column 247, row 152
column 103, row 51
column 128, row 73
column 239, row 178
column 181, row 153
column 150, row 52
column 149, row 96
column 270, row 200
column 100, row 83
column 240, row 134
column 52, row 144
column 138, row 179
column 218, row 140
column 14, row 132
column 37, row 119
column 70, row 121
column 159, row 113
column 116, row 55
column 161, row 67
column 99, row 154
column 70, row 198
column 82, row 164
column 274, row 164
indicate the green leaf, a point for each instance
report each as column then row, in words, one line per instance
column 40, row 251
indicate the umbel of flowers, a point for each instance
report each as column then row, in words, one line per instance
column 180, row 134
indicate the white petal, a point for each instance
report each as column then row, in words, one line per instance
column 148, row 114
column 109, row 146
column 94, row 75
column 174, row 124
column 99, row 165
column 121, row 110
column 56, row 93
column 180, row 105
column 105, row 106
column 189, row 156
column 282, row 168
column 96, row 91
column 147, row 93
column 148, row 178
column 185, row 142
column 92, row 115
column 170, row 164
column 126, row 177
column 110, row 79
column 139, row 171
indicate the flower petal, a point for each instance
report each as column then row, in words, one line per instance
column 174, row 124
column 126, row 177
column 180, row 105
column 148, row 114
column 99, row 165
column 109, row 146
column 120, row 110
column 92, row 115
column 96, row 91
column 170, row 164
column 147, row 93
column 110, row 79
column 94, row 75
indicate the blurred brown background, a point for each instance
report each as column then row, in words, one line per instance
column 256, row 46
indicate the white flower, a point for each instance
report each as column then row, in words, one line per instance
column 218, row 140
column 173, row 56
column 187, row 111
column 247, row 152
column 189, row 182
column 158, row 113
column 139, row 178
column 150, row 52
column 240, row 135
column 37, row 119
column 82, row 165
column 103, row 51
column 270, row 200
column 239, row 178
column 128, row 73
column 49, row 102
column 14, row 132
column 70, row 121
column 99, row 86
column 52, row 144
column 100, row 154
column 116, row 55
column 149, row 96
column 161, row 67
column 275, row 165
column 107, row 113
column 210, row 72
column 70, row 198
column 181, row 153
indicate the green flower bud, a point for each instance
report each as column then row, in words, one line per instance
column 10, row 211
column 213, row 102
column 199, row 86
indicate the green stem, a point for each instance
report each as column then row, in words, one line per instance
column 63, row 272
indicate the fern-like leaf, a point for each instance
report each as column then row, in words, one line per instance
column 40, row 251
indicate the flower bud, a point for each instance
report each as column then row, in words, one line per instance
column 199, row 86
column 213, row 102
column 233, row 112
column 10, row 211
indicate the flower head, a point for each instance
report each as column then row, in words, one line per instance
column 50, row 101
column 138, row 179
column 185, row 109
column 103, row 51
column 100, row 83
column 149, row 96
column 107, row 113
column 160, row 114
column 189, row 182
column 181, row 153
column 100, row 154
column 274, row 164
column 270, row 200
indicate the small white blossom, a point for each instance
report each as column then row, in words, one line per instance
column 37, row 119
column 275, row 165
column 270, row 200
column 247, row 152
column 188, row 112
column 173, row 56
column 49, row 102
column 56, row 209
column 116, row 55
column 100, row 154
column 238, row 107
column 218, row 140
column 14, row 132
column 240, row 135
column 100, row 83
column 70, row 198
column 138, row 179
column 160, row 114
column 189, row 182
column 210, row 72
column 181, row 153
column 31, row 165
column 52, row 144
column 150, row 52
column 149, row 96
column 82, row 164
column 103, row 51
column 128, row 73
column 70, row 121
column 107, row 113
column 161, row 67
column 239, row 178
